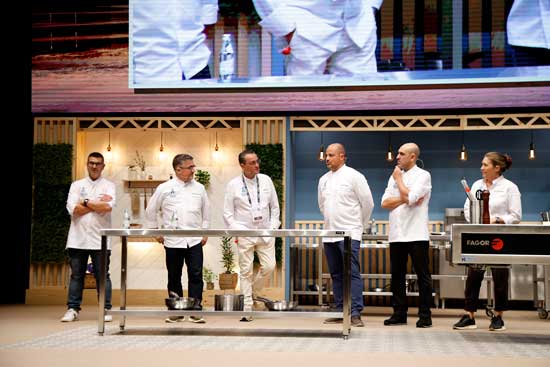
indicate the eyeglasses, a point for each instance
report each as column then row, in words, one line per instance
column 98, row 164
column 190, row 167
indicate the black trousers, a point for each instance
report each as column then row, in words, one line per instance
column 473, row 285
column 193, row 258
column 399, row 254
column 203, row 74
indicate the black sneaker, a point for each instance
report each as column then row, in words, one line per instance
column 356, row 321
column 333, row 320
column 396, row 319
column 424, row 322
column 465, row 323
column 497, row 324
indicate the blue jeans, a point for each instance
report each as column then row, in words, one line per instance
column 335, row 259
column 78, row 260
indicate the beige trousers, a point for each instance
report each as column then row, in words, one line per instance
column 266, row 254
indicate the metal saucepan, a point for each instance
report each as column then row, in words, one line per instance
column 277, row 305
column 179, row 303
column 228, row 302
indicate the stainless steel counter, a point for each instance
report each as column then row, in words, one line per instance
column 125, row 233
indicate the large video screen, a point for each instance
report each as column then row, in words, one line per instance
column 338, row 43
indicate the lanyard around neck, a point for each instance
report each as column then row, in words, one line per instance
column 248, row 193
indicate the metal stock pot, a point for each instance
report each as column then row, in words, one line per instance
column 228, row 302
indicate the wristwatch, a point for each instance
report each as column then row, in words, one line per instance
column 85, row 202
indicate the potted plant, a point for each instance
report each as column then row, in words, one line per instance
column 208, row 276
column 203, row 177
column 228, row 279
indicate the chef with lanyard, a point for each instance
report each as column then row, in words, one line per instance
column 251, row 203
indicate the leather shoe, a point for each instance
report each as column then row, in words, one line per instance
column 333, row 320
column 424, row 322
column 396, row 319
column 356, row 321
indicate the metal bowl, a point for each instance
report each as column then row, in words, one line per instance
column 179, row 303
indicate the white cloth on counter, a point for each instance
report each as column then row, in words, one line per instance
column 504, row 200
column 238, row 210
column 183, row 202
column 84, row 230
column 409, row 222
column 345, row 201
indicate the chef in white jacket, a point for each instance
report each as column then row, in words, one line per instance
column 337, row 36
column 528, row 31
column 168, row 40
column 251, row 203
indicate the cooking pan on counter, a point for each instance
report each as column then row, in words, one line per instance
column 176, row 302
column 278, row 305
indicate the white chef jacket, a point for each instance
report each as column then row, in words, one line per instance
column 238, row 211
column 84, row 230
column 184, row 205
column 504, row 200
column 319, row 21
column 409, row 222
column 168, row 38
column 528, row 23
column 345, row 201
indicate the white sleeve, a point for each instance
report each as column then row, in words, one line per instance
column 229, row 207
column 514, row 206
column 320, row 197
column 153, row 207
column 420, row 188
column 365, row 198
column 275, row 211
column 388, row 192
column 73, row 198
column 209, row 11
column 205, row 210
column 276, row 19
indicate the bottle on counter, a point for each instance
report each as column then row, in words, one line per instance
column 126, row 219
column 227, row 59
column 486, row 219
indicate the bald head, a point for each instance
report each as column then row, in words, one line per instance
column 335, row 156
column 407, row 155
column 337, row 148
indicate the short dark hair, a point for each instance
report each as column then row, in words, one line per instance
column 180, row 158
column 96, row 155
column 243, row 154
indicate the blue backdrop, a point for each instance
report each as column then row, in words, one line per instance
column 439, row 152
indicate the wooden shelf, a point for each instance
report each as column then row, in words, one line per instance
column 142, row 184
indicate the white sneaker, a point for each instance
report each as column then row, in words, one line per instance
column 108, row 318
column 173, row 319
column 70, row 315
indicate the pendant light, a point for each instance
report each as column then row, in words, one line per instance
column 532, row 148
column 463, row 156
column 108, row 153
column 162, row 153
column 389, row 153
column 321, row 154
column 216, row 152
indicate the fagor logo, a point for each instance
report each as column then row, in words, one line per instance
column 497, row 244
column 477, row 242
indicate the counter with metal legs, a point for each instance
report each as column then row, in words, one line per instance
column 125, row 233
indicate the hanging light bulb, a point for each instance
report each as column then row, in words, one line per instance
column 463, row 156
column 389, row 154
column 162, row 153
column 216, row 152
column 532, row 148
column 321, row 154
column 108, row 153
